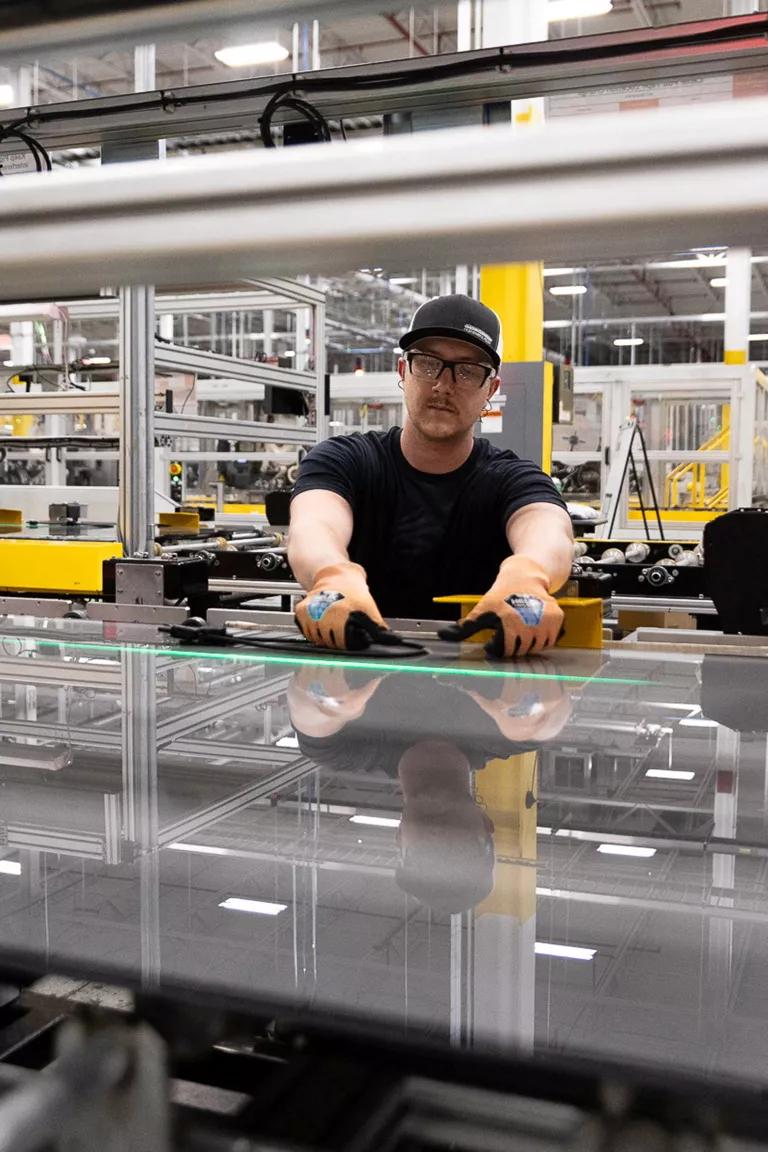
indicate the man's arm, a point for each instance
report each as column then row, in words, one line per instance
column 338, row 611
column 321, row 529
column 519, row 606
column 544, row 534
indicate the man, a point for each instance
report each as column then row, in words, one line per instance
column 383, row 523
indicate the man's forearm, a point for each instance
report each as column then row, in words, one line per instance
column 545, row 537
column 308, row 552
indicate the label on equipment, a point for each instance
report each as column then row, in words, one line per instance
column 13, row 163
column 529, row 608
column 319, row 604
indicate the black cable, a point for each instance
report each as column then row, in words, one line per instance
column 288, row 99
column 39, row 153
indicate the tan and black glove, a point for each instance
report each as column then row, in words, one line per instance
column 524, row 617
column 339, row 611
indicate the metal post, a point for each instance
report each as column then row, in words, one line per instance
column 137, row 410
column 139, row 764
column 738, row 293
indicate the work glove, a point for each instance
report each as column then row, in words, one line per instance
column 519, row 609
column 526, row 710
column 321, row 701
column 339, row 611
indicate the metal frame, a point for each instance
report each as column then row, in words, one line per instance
column 562, row 192
column 431, row 84
column 177, row 359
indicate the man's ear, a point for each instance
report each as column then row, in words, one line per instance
column 401, row 368
column 494, row 386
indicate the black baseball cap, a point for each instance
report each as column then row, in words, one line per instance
column 460, row 318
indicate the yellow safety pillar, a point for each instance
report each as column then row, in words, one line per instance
column 506, row 789
column 738, row 304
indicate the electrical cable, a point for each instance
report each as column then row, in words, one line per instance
column 39, row 153
column 287, row 99
column 195, row 631
column 549, row 54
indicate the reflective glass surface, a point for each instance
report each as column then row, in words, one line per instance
column 568, row 853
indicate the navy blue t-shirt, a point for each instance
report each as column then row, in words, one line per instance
column 420, row 535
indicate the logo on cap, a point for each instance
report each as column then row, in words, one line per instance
column 478, row 332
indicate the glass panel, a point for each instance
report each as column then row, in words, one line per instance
column 682, row 484
column 585, row 434
column 681, row 421
column 282, row 826
column 760, row 470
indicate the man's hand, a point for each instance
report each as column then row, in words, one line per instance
column 519, row 609
column 526, row 711
column 339, row 611
column 321, row 702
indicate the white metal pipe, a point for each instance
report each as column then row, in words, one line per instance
column 562, row 191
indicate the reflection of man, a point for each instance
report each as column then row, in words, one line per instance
column 431, row 735
column 384, row 522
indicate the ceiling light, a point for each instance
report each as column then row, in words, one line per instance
column 628, row 342
column 403, row 280
column 575, row 9
column 7, row 96
column 557, row 323
column 625, row 850
column 259, row 907
column 568, row 289
column 10, row 867
column 561, row 271
column 698, row 724
column 542, row 831
column 564, row 951
column 758, row 336
column 376, row 821
column 93, row 361
column 203, row 849
column 262, row 52
column 669, row 774
column 719, row 281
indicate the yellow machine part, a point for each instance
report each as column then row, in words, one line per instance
column 61, row 566
column 505, row 788
column 583, row 626
column 180, row 521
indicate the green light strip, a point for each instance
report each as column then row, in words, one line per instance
column 266, row 657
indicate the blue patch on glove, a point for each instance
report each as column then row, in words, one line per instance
column 529, row 608
column 318, row 605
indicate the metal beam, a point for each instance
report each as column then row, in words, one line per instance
column 175, row 358
column 217, row 428
column 567, row 190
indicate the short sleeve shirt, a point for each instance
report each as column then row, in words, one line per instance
column 420, row 535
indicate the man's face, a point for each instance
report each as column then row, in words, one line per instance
column 443, row 409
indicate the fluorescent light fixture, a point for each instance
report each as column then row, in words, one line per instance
column 258, row 907
column 10, row 867
column 758, row 335
column 568, row 289
column 575, row 9
column 719, row 281
column 7, row 96
column 564, row 951
column 557, row 323
column 403, row 280
column 626, row 850
column 262, row 52
column 376, row 821
column 561, row 271
column 669, row 774
column 689, row 723
column 628, row 342
column 542, row 831
column 203, row 849
column 93, row 361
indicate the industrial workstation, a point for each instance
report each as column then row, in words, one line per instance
column 383, row 576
